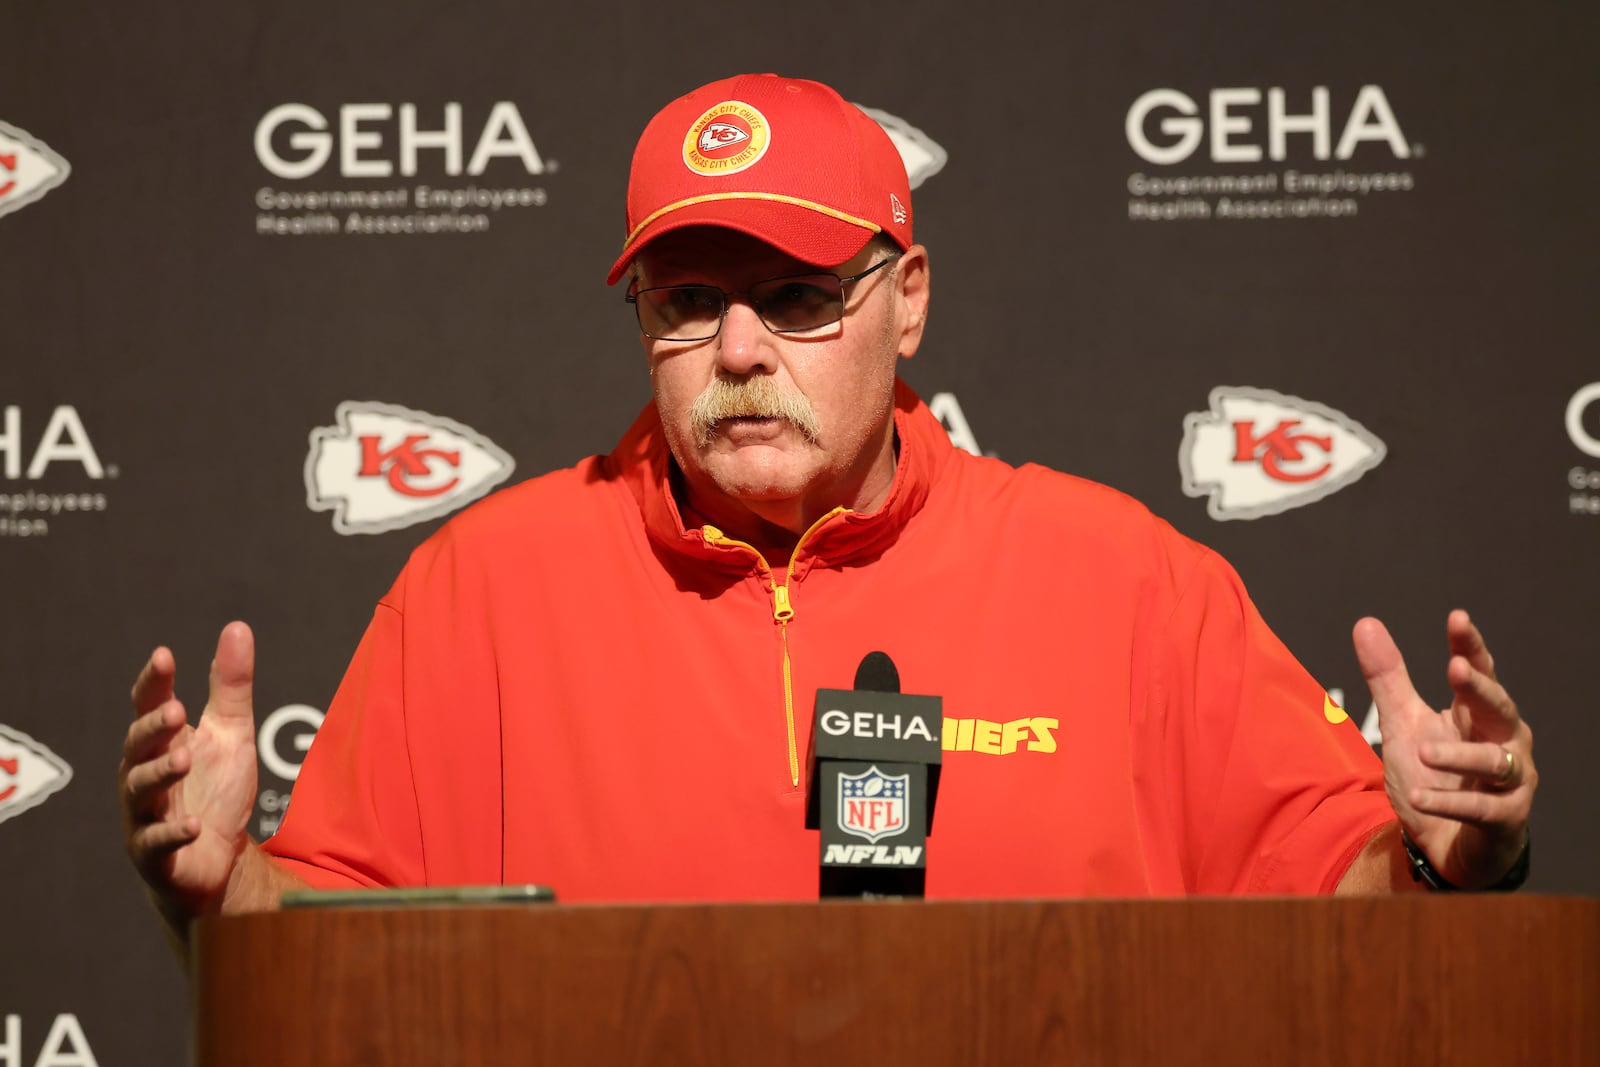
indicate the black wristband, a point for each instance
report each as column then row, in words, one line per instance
column 1422, row 870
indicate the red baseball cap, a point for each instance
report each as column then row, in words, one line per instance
column 787, row 161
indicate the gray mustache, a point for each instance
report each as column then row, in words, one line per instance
column 757, row 398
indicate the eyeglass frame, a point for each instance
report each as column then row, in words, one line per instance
column 632, row 297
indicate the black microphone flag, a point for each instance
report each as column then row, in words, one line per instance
column 872, row 778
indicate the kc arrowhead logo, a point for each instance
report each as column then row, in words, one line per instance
column 721, row 135
column 923, row 156
column 384, row 467
column 1257, row 452
column 28, row 169
column 29, row 773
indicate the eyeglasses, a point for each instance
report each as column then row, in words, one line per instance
column 794, row 304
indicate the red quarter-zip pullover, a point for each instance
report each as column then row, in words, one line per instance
column 565, row 686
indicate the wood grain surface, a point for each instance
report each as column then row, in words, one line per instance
column 1506, row 982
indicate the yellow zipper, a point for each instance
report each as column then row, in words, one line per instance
column 782, row 611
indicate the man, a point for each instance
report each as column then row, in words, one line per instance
column 600, row 679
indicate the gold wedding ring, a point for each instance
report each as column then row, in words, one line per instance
column 1508, row 774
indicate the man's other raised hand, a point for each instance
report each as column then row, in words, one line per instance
column 1462, row 779
column 186, row 791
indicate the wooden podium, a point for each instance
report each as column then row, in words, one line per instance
column 1501, row 981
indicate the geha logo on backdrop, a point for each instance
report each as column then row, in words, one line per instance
column 45, row 478
column 377, row 142
column 29, row 168
column 30, row 773
column 64, row 1044
column 1583, row 428
column 1168, row 128
column 1257, row 452
column 282, row 741
column 382, row 467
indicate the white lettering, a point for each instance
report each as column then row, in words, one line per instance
column 11, row 441
column 448, row 139
column 505, row 135
column 1231, row 141
column 352, row 139
column 1280, row 122
column 1185, row 126
column 836, row 723
column 1371, row 119
column 317, row 145
column 65, row 1028
column 878, row 855
column 1586, row 442
column 947, row 409
column 1222, row 124
column 361, row 148
column 270, row 800
column 267, row 738
column 1371, row 731
column 64, row 422
column 11, row 1051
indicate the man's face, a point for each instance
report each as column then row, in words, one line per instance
column 844, row 374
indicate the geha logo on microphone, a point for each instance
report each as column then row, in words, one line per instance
column 385, row 467
column 29, row 168
column 29, row 773
column 1258, row 452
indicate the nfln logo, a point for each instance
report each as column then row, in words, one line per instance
column 1257, row 452
column 29, row 773
column 385, row 467
column 28, row 169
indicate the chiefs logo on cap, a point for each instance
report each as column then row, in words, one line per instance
column 726, row 139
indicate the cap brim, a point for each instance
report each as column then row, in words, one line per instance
column 808, row 234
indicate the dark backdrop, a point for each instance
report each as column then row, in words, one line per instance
column 170, row 346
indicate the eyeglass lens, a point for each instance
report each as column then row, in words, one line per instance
column 786, row 305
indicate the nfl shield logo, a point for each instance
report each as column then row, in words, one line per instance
column 873, row 804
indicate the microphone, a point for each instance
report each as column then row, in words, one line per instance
column 872, row 778
column 877, row 673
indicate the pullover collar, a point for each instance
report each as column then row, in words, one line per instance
column 643, row 462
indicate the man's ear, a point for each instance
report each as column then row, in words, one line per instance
column 913, row 281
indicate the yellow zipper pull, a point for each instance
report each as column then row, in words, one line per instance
column 782, row 610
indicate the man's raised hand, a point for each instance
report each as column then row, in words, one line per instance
column 1461, row 780
column 187, row 791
